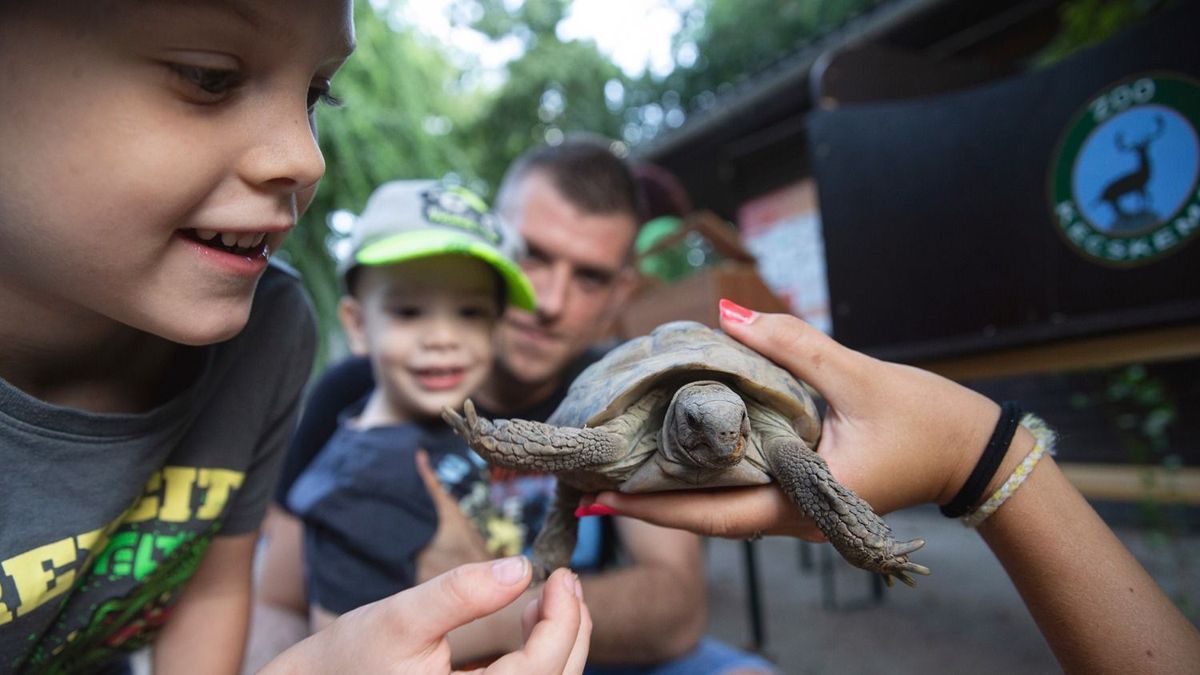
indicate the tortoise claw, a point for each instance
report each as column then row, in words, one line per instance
column 904, row 548
column 472, row 418
column 455, row 421
column 900, row 570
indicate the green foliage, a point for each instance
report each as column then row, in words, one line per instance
column 1087, row 22
column 1142, row 410
column 723, row 42
column 553, row 89
column 554, row 86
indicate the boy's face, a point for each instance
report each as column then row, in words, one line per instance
column 156, row 152
column 427, row 327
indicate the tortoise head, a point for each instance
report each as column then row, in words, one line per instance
column 707, row 422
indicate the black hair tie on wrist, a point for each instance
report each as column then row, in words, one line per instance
column 993, row 454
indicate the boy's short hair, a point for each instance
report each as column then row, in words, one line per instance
column 584, row 170
column 411, row 219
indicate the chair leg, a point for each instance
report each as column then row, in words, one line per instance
column 758, row 628
column 828, row 581
column 806, row 557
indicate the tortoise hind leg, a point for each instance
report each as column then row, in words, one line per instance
column 854, row 529
column 555, row 543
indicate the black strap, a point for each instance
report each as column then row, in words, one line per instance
column 993, row 454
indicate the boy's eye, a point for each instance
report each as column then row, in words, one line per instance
column 319, row 93
column 405, row 312
column 208, row 84
column 479, row 312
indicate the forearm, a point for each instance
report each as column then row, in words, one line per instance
column 206, row 632
column 1097, row 607
column 279, row 616
column 645, row 614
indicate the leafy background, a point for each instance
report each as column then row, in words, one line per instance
column 416, row 107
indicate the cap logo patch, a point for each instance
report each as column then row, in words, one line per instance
column 453, row 207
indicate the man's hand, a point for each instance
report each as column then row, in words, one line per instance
column 457, row 540
column 405, row 633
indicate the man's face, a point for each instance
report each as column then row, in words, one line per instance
column 427, row 327
column 579, row 265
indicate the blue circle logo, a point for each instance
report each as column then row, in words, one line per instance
column 1123, row 184
column 1136, row 170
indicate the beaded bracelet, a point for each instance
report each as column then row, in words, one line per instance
column 1046, row 438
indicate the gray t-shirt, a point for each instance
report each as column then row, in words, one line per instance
column 103, row 517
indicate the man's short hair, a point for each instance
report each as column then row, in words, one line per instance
column 585, row 172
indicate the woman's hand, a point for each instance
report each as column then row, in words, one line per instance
column 405, row 633
column 896, row 435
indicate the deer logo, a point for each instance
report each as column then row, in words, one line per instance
column 1125, row 178
column 1133, row 182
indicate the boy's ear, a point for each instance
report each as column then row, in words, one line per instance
column 350, row 313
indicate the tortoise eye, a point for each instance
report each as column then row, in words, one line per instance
column 691, row 419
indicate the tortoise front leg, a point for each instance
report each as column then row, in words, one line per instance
column 854, row 529
column 555, row 544
column 521, row 444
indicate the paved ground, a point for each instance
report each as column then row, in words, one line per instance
column 965, row 618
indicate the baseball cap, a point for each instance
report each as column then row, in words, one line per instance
column 410, row 219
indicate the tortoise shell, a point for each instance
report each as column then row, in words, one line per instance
column 676, row 353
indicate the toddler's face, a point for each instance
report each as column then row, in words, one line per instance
column 427, row 327
column 157, row 151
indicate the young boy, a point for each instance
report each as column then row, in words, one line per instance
column 155, row 155
column 430, row 272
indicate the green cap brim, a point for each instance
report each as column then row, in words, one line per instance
column 430, row 242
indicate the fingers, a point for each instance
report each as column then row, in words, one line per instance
column 799, row 348
column 583, row 640
column 429, row 476
column 458, row 597
column 559, row 641
column 735, row 513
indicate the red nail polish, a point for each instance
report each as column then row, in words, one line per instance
column 735, row 313
column 595, row 510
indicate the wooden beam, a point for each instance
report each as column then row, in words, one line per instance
column 1160, row 344
column 1131, row 483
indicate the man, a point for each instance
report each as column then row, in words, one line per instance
column 576, row 206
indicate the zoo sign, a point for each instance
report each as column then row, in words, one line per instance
column 1123, row 183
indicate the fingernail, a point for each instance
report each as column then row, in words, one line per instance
column 576, row 586
column 595, row 510
column 509, row 571
column 735, row 313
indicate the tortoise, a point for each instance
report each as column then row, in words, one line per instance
column 685, row 407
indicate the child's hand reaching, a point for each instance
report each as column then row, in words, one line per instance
column 457, row 540
column 405, row 633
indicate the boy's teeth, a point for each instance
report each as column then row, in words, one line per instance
column 206, row 235
column 248, row 240
column 229, row 238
